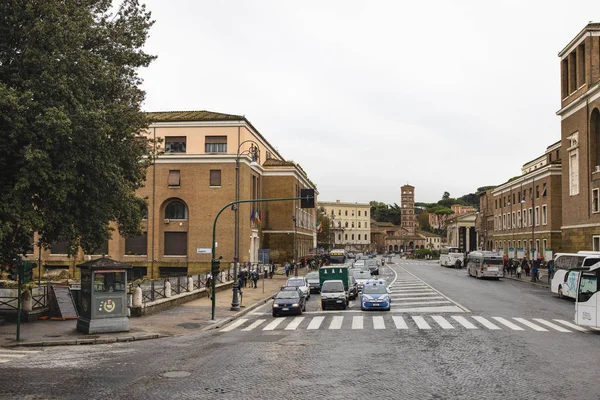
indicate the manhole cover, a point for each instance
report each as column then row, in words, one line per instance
column 189, row 325
column 176, row 374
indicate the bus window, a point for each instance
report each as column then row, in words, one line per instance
column 588, row 285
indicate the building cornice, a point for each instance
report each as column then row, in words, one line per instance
column 589, row 30
column 333, row 203
column 592, row 94
column 580, row 226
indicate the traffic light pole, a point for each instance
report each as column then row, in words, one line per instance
column 20, row 269
column 215, row 262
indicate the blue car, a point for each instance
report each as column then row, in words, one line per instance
column 375, row 296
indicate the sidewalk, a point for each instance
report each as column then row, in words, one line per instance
column 543, row 282
column 192, row 316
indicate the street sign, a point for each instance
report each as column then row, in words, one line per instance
column 201, row 250
column 264, row 256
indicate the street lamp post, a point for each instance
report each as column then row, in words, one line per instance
column 253, row 153
column 533, row 219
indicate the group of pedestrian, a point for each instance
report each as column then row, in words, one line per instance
column 530, row 267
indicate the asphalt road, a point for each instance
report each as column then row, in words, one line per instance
column 447, row 336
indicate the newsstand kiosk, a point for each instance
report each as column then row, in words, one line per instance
column 103, row 305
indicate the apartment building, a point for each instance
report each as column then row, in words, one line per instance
column 190, row 182
column 351, row 228
column 580, row 140
column 527, row 210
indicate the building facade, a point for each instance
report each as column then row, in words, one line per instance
column 351, row 223
column 580, row 140
column 204, row 159
column 527, row 209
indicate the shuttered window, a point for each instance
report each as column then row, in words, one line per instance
column 215, row 144
column 174, row 178
column 175, row 243
column 137, row 245
column 215, row 177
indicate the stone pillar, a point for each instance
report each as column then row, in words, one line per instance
column 190, row 284
column 27, row 305
column 137, row 297
column 467, row 239
column 167, row 289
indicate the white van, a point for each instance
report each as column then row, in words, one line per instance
column 567, row 267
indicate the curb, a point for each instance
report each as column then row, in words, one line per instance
column 83, row 341
column 235, row 316
column 542, row 285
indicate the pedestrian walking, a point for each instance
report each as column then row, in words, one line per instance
column 272, row 271
column 550, row 271
column 208, row 285
column 266, row 271
column 519, row 269
column 255, row 278
column 287, row 269
column 534, row 272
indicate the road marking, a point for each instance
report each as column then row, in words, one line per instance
column 420, row 298
column 423, row 303
column 234, row 325
column 253, row 325
column 426, row 309
column 506, row 322
column 399, row 322
column 421, row 323
column 463, row 321
column 294, row 324
column 424, row 294
column 530, row 324
column 315, row 323
column 551, row 325
column 441, row 321
column 486, row 323
column 357, row 322
column 274, row 324
column 378, row 323
column 570, row 325
column 336, row 322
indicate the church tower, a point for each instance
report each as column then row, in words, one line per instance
column 407, row 217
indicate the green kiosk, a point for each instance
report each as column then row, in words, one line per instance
column 103, row 305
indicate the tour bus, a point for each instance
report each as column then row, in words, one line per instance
column 338, row 256
column 485, row 264
column 567, row 268
column 450, row 255
column 587, row 300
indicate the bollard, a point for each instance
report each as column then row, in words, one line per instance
column 167, row 289
column 27, row 301
column 137, row 297
column 190, row 284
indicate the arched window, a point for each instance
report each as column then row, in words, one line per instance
column 176, row 210
column 144, row 211
column 353, row 224
column 359, row 224
column 346, row 224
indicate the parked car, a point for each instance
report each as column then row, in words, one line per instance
column 289, row 301
column 301, row 283
column 333, row 294
column 313, row 281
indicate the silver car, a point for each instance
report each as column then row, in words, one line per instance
column 301, row 283
column 361, row 277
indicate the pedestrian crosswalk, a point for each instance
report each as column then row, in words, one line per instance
column 397, row 322
column 7, row 355
column 410, row 294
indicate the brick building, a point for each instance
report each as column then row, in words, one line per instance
column 527, row 209
column 191, row 182
column 580, row 140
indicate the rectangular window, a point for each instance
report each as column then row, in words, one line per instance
column 545, row 243
column 519, row 197
column 137, row 245
column 530, row 217
column 544, row 215
column 537, row 191
column 514, row 219
column 565, row 77
column 175, row 244
column 215, row 177
column 513, row 198
column 595, row 204
column 175, row 144
column 174, row 178
column 353, row 236
column 504, row 221
column 581, row 65
column 346, row 236
column 573, row 173
column 102, row 250
column 215, row 144
column 518, row 219
column 496, row 204
column 59, row 248
column 544, row 190
column 508, row 222
column 537, row 216
column 359, row 236
column 359, row 213
column 596, row 243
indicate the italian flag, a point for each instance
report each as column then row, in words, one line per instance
column 319, row 227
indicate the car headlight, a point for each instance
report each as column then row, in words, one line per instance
column 275, row 305
column 295, row 305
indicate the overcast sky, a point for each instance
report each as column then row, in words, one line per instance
column 370, row 95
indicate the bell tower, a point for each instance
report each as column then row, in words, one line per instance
column 407, row 216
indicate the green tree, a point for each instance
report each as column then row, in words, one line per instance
column 70, row 117
column 445, row 196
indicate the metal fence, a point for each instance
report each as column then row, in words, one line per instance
column 9, row 298
column 155, row 290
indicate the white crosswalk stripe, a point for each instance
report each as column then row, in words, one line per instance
column 389, row 321
column 11, row 355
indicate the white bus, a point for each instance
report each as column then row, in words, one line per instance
column 449, row 256
column 587, row 300
column 485, row 264
column 567, row 268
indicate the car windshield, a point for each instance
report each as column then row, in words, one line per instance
column 287, row 294
column 295, row 282
column 371, row 262
column 312, row 275
column 330, row 287
column 359, row 274
column 378, row 289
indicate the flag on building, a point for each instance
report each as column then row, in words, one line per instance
column 319, row 227
column 258, row 217
column 252, row 216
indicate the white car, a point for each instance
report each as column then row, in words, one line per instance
column 301, row 283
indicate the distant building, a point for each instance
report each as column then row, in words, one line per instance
column 351, row 224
